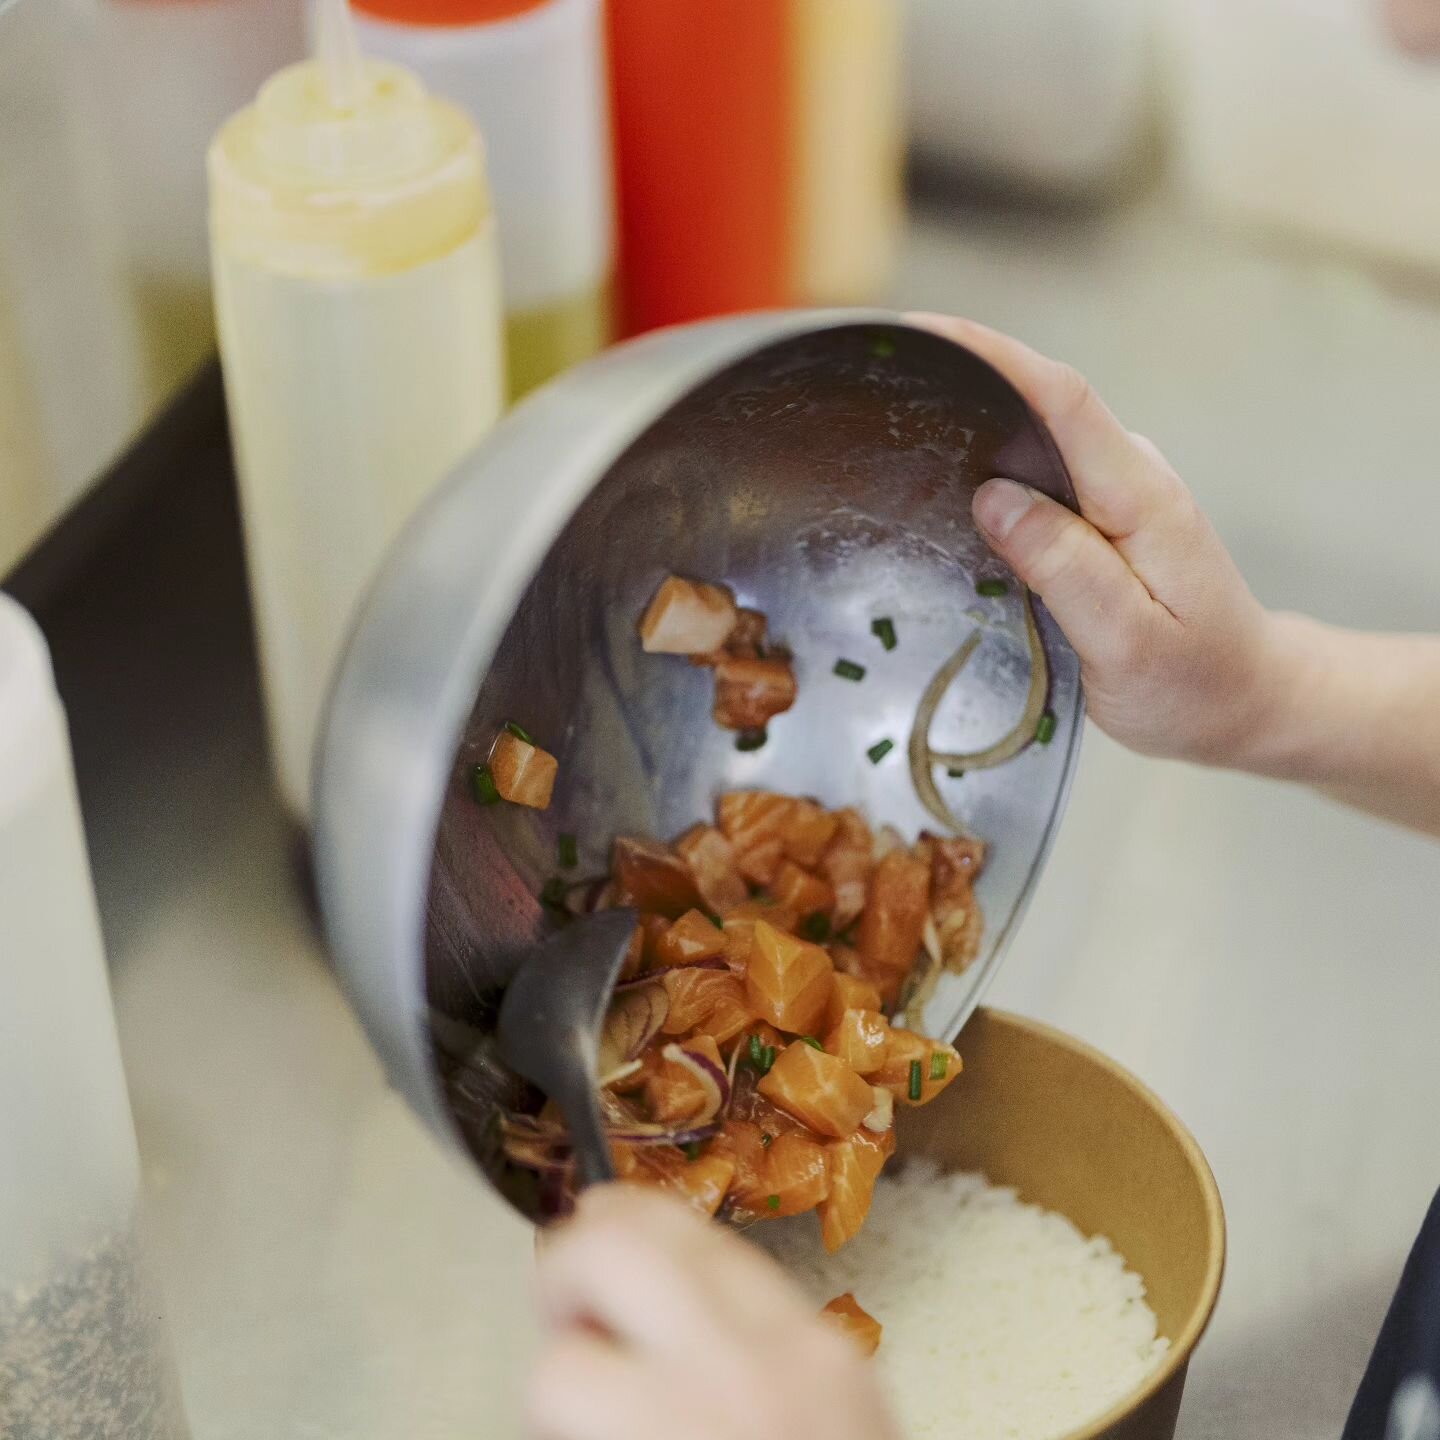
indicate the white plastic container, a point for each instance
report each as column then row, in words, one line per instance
column 83, row 1351
column 1049, row 94
column 530, row 73
column 850, row 148
column 358, row 297
column 1308, row 116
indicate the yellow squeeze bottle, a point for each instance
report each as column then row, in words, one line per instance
column 357, row 294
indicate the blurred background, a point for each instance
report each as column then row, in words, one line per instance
column 1225, row 212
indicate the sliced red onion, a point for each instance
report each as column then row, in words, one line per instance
column 584, row 896
column 632, row 1022
column 650, row 977
column 715, row 1081
column 882, row 1117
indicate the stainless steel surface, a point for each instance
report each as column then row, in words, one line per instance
column 548, row 1029
column 822, row 466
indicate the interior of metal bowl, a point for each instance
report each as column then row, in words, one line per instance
column 826, row 478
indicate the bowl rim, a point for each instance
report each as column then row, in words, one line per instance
column 1182, row 1346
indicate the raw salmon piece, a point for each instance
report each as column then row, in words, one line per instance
column 710, row 1001
column 860, row 1038
column 819, row 1089
column 808, row 829
column 796, row 1173
column 753, row 822
column 854, row 1166
column 896, row 905
column 652, row 931
column 651, row 877
column 524, row 774
column 788, row 980
column 907, row 1049
column 711, row 859
column 845, row 1313
column 802, row 892
column 691, row 937
column 751, row 693
column 747, row 1103
column 955, row 864
column 701, row 1182
column 743, row 1142
column 846, row 864
column 687, row 617
column 745, row 642
column 849, row 992
column 739, row 922
column 634, row 960
column 673, row 1093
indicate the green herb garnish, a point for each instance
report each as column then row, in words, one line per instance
column 766, row 1139
column 882, row 347
column 760, row 1057
column 879, row 750
column 773, row 1201
column 569, row 852
column 715, row 920
column 519, row 732
column 939, row 1064
column 552, row 893
column 813, row 1043
column 750, row 739
column 849, row 670
column 916, row 1080
column 769, row 1059
column 955, row 772
column 1045, row 728
column 992, row 588
column 692, row 1150
column 883, row 630
column 816, row 927
column 482, row 785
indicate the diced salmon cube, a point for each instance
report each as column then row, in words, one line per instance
column 860, row 1038
column 938, row 1065
column 746, row 641
column 524, row 774
column 740, row 930
column 702, row 1182
column 747, row 1103
column 651, row 877
column 708, row 1002
column 788, row 980
column 808, row 829
column 819, row 1089
column 746, row 1145
column 652, row 931
column 673, row 1093
column 691, row 937
column 849, row 992
column 753, row 822
column 796, row 1174
column 846, row 864
column 634, row 961
column 896, row 906
column 955, row 864
column 802, row 892
column 687, row 617
column 711, row 859
column 846, row 1314
column 751, row 693
column 854, row 1166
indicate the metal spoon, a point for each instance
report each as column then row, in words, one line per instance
column 550, row 1023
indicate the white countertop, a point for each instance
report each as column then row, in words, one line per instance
column 1267, row 962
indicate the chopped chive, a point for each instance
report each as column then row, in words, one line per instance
column 552, row 893
column 1045, row 729
column 519, row 732
column 483, row 786
column 816, row 927
column 992, row 588
column 883, row 630
column 766, row 1139
column 569, row 852
column 769, row 1059
column 939, row 1064
column 955, row 772
column 882, row 347
column 812, row 1042
column 715, row 920
column 773, row 1201
column 692, row 1150
column 757, row 1053
column 916, row 1080
column 750, row 739
column 879, row 750
column 761, row 898
column 849, row 670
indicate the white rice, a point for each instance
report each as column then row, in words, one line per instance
column 1001, row 1320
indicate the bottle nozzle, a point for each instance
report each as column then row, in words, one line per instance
column 338, row 52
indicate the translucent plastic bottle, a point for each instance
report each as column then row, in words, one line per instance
column 83, row 1351
column 357, row 292
column 531, row 74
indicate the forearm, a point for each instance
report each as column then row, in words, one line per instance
column 1355, row 715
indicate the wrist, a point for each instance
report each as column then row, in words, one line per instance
column 1288, row 674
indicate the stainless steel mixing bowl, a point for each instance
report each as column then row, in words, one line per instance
column 821, row 464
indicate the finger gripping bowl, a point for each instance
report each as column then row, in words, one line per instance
column 821, row 465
